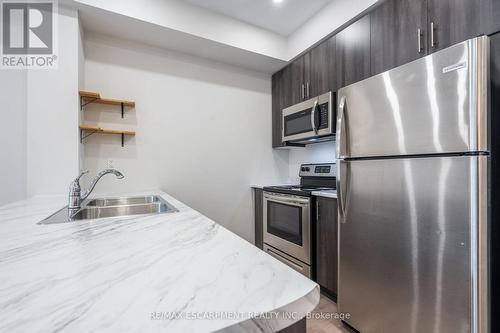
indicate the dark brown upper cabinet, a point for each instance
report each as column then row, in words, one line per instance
column 277, row 92
column 398, row 33
column 404, row 30
column 313, row 73
column 394, row 33
column 321, row 69
column 353, row 53
column 453, row 21
column 298, row 69
column 310, row 75
column 282, row 97
column 490, row 16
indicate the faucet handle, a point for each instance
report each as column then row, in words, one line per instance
column 74, row 187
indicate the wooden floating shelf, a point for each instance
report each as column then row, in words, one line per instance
column 105, row 131
column 96, row 98
column 87, row 97
column 95, row 129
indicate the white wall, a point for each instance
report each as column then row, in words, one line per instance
column 52, row 116
column 197, row 21
column 316, row 153
column 185, row 27
column 203, row 128
column 12, row 135
column 39, row 132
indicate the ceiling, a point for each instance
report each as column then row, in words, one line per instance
column 282, row 18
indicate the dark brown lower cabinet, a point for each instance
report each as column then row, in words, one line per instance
column 326, row 244
column 259, row 228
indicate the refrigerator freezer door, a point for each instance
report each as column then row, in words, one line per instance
column 411, row 244
column 436, row 104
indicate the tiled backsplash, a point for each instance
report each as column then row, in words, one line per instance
column 316, row 153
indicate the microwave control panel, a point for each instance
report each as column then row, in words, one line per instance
column 323, row 111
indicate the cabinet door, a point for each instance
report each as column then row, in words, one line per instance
column 297, row 84
column 322, row 77
column 353, row 52
column 258, row 206
column 326, row 244
column 278, row 91
column 454, row 21
column 490, row 16
column 398, row 33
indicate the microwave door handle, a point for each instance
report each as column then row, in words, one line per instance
column 313, row 117
column 340, row 124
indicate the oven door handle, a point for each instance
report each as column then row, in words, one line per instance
column 286, row 200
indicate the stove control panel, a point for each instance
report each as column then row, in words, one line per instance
column 318, row 170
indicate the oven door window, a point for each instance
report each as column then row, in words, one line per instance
column 297, row 123
column 285, row 221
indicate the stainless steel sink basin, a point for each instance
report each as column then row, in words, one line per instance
column 106, row 202
column 114, row 207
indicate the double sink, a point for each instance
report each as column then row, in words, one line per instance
column 99, row 208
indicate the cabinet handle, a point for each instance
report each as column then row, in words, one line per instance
column 303, row 91
column 419, row 40
column 308, row 90
column 317, row 210
column 433, row 42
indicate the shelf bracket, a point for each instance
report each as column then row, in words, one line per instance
column 82, row 137
column 88, row 102
column 122, row 109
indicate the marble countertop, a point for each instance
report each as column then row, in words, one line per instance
column 179, row 272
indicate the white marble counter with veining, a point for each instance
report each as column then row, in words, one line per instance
column 137, row 274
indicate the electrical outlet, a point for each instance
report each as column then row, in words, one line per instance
column 111, row 164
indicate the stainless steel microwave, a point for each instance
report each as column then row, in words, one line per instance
column 309, row 121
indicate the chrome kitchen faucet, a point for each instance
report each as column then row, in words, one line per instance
column 75, row 197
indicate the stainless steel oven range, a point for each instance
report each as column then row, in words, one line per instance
column 287, row 215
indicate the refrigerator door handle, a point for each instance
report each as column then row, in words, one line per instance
column 343, row 182
column 340, row 124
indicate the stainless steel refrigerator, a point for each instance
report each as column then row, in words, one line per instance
column 413, row 165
